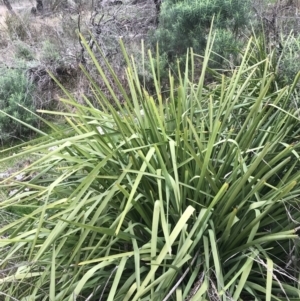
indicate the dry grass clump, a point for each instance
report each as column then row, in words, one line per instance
column 47, row 92
column 19, row 26
column 3, row 39
column 279, row 18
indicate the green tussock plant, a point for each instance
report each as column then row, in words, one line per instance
column 189, row 194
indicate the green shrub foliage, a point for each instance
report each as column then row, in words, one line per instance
column 185, row 24
column 23, row 51
column 290, row 60
column 15, row 93
column 50, row 52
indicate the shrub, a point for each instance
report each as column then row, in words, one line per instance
column 50, row 52
column 185, row 24
column 23, row 51
column 15, row 93
column 289, row 64
column 183, row 198
column 226, row 48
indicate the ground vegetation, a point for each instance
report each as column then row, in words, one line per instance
column 155, row 176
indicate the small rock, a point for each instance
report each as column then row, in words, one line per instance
column 20, row 176
column 12, row 192
column 4, row 175
column 52, row 148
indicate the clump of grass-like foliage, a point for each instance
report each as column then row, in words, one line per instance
column 186, row 195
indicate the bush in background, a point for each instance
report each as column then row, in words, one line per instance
column 185, row 24
column 15, row 92
column 289, row 64
column 226, row 48
column 49, row 52
column 23, row 51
